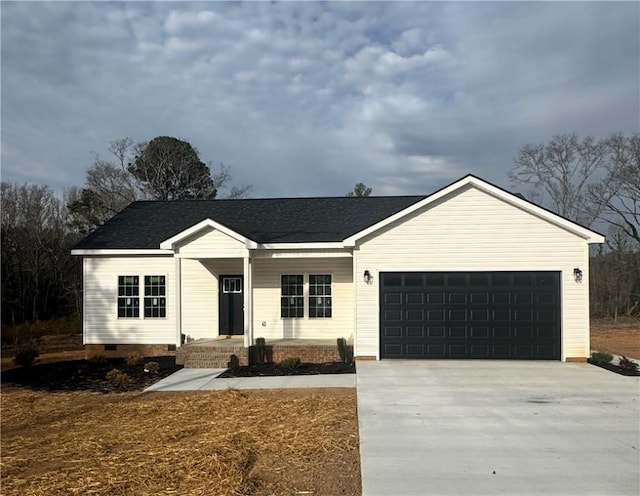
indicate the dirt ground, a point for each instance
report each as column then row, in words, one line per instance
column 277, row 442
column 6, row 362
column 620, row 338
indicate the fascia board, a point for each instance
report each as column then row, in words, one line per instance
column 351, row 240
column 300, row 246
column 169, row 243
column 583, row 232
column 121, row 252
column 589, row 235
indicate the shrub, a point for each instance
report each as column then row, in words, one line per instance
column 152, row 367
column 118, row 378
column 628, row 366
column 97, row 358
column 342, row 349
column 290, row 363
column 134, row 358
column 261, row 350
column 599, row 357
column 26, row 354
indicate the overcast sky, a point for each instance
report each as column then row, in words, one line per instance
column 304, row 99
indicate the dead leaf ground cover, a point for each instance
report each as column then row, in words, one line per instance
column 277, row 442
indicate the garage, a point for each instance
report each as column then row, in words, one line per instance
column 500, row 315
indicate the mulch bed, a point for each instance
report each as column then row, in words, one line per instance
column 272, row 369
column 614, row 368
column 84, row 375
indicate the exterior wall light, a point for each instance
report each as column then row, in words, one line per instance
column 577, row 274
column 367, row 276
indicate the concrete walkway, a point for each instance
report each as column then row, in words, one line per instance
column 497, row 428
column 206, row 379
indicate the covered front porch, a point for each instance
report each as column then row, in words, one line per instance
column 224, row 352
column 229, row 286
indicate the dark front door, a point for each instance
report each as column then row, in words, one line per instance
column 470, row 315
column 231, row 314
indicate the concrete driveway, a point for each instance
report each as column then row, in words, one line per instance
column 497, row 428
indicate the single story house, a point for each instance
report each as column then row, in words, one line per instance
column 470, row 271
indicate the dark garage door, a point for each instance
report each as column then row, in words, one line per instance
column 470, row 315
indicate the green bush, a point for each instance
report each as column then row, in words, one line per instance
column 97, row 358
column 152, row 367
column 118, row 378
column 628, row 366
column 260, row 350
column 26, row 354
column 599, row 357
column 342, row 349
column 289, row 363
column 134, row 358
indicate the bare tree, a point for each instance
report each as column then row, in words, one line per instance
column 615, row 277
column 35, row 253
column 221, row 179
column 561, row 172
column 589, row 180
column 618, row 195
column 163, row 169
column 109, row 187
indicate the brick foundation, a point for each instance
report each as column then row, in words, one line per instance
column 577, row 359
column 122, row 350
column 306, row 353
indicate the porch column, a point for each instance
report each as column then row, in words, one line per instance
column 248, row 299
column 178, row 283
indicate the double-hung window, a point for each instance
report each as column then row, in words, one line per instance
column 319, row 296
column 292, row 296
column 155, row 302
column 128, row 297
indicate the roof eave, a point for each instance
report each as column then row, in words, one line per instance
column 123, row 251
column 169, row 244
column 587, row 234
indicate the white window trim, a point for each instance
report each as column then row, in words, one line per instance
column 308, row 297
column 305, row 294
column 118, row 296
column 141, row 296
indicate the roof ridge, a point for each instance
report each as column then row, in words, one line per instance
column 347, row 198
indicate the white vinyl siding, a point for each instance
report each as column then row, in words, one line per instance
column 472, row 230
column 211, row 243
column 267, row 293
column 200, row 294
column 101, row 322
column 199, row 299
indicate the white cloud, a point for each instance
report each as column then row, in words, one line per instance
column 308, row 98
column 180, row 21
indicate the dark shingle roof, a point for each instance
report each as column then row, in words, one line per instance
column 145, row 224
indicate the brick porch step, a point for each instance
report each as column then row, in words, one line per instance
column 207, row 361
column 209, row 357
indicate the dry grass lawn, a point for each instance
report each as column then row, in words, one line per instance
column 621, row 337
column 277, row 442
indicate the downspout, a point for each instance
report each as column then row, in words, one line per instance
column 178, row 277
column 248, row 299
